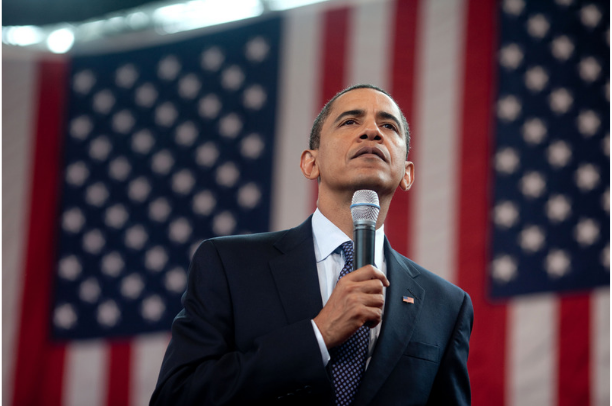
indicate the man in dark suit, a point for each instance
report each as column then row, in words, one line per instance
column 267, row 321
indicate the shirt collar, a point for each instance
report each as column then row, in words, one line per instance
column 327, row 238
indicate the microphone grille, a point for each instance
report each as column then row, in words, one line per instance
column 365, row 206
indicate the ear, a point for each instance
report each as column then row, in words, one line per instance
column 408, row 178
column 308, row 164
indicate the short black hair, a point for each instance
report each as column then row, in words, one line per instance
column 315, row 132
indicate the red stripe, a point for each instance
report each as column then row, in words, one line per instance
column 40, row 363
column 120, row 360
column 487, row 357
column 397, row 227
column 574, row 350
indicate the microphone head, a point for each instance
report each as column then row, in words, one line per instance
column 365, row 206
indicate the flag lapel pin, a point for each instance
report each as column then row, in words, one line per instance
column 408, row 299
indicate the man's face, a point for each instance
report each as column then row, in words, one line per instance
column 362, row 144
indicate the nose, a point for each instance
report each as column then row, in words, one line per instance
column 371, row 132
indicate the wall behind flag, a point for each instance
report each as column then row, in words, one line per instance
column 163, row 143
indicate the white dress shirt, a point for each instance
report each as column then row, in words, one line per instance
column 330, row 261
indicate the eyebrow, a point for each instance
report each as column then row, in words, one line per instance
column 361, row 113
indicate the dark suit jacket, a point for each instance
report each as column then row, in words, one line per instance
column 245, row 335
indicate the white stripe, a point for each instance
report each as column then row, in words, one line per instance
column 148, row 353
column 370, row 44
column 532, row 351
column 440, row 73
column 85, row 373
column 298, row 98
column 600, row 347
column 18, row 125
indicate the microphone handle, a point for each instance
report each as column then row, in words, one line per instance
column 364, row 236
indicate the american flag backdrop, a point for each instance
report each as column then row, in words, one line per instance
column 116, row 164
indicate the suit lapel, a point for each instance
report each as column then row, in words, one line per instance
column 295, row 274
column 398, row 324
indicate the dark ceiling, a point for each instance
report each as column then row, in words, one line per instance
column 43, row 12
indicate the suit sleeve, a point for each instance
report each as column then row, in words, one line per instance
column 203, row 365
column 452, row 383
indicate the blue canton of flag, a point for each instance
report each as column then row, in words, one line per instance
column 552, row 159
column 165, row 147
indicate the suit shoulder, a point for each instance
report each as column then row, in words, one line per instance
column 242, row 242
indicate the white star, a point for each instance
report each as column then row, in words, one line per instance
column 139, row 189
column 119, row 168
column 168, row 68
column 558, row 154
column 227, row 174
column 176, row 280
column 590, row 16
column 560, row 100
column 224, row 223
column 89, row 290
column 558, row 208
column 505, row 214
column 230, row 125
column 80, row 127
column 232, row 78
column 504, row 268
column 605, row 257
column 536, row 78
column 132, row 286
column 64, row 316
column 186, row 134
column 100, row 148
column 165, row 114
column 532, row 184
column 589, row 69
column 103, row 102
column 143, row 141
column 146, row 95
column 189, row 86
column 123, row 121
column 254, row 97
column 588, row 123
column 183, row 181
column 136, row 237
column 156, row 258
column 508, row 108
column 153, row 308
column 538, row 26
column 209, row 106
column 116, row 216
column 511, row 56
column 96, row 194
column 249, row 196
column 159, row 209
column 108, row 314
column 70, row 268
column 587, row 177
column 586, row 231
column 179, row 230
column 73, row 220
column 212, row 59
column 93, row 241
column 126, row 76
column 534, row 131
column 605, row 200
column 162, row 162
column 112, row 264
column 513, row 7
column 507, row 160
column 77, row 173
column 207, row 154
column 83, row 81
column 257, row 49
column 251, row 146
column 203, row 203
column 562, row 48
column 531, row 238
column 557, row 263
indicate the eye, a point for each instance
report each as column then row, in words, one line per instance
column 390, row 126
column 350, row 121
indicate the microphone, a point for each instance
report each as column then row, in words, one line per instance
column 364, row 209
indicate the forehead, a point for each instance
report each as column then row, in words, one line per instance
column 364, row 99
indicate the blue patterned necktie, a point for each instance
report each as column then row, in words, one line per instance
column 348, row 360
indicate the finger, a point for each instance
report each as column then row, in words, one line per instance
column 368, row 272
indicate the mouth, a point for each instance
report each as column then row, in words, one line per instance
column 370, row 151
